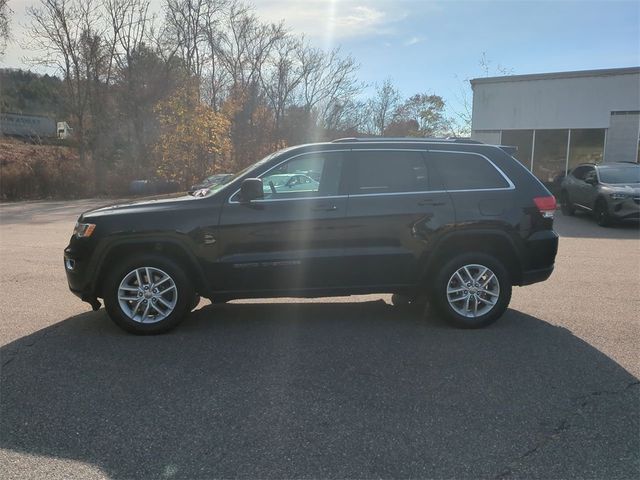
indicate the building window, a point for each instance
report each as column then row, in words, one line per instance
column 586, row 146
column 550, row 157
column 522, row 139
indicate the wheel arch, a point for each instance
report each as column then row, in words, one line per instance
column 600, row 198
column 171, row 248
column 492, row 242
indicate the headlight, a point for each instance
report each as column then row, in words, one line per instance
column 83, row 230
column 619, row 196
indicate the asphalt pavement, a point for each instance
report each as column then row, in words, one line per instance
column 346, row 387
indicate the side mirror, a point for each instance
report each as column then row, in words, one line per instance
column 591, row 181
column 251, row 189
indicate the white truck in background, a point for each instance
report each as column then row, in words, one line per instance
column 64, row 130
column 33, row 126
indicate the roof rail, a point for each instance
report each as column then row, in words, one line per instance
column 406, row 139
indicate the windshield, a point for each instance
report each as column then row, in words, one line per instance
column 626, row 174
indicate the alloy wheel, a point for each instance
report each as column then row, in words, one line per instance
column 147, row 295
column 473, row 290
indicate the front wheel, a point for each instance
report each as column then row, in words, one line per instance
column 602, row 214
column 148, row 294
column 472, row 290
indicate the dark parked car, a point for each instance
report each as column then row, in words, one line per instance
column 153, row 187
column 211, row 181
column 457, row 221
column 609, row 191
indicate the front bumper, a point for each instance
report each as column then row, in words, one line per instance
column 626, row 209
column 78, row 278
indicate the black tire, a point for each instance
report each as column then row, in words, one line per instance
column 601, row 213
column 184, row 290
column 446, row 272
column 566, row 205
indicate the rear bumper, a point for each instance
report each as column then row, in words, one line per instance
column 541, row 250
column 535, row 276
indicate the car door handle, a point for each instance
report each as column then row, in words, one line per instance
column 325, row 208
column 432, row 203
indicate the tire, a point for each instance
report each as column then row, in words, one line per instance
column 601, row 213
column 488, row 306
column 127, row 285
column 565, row 204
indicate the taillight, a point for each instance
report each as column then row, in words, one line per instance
column 546, row 205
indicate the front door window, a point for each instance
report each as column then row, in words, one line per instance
column 309, row 175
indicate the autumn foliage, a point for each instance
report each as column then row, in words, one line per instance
column 206, row 87
column 194, row 140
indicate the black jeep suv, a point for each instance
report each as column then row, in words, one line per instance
column 457, row 221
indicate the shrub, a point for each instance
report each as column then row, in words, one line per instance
column 41, row 171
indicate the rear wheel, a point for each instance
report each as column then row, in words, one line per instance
column 566, row 205
column 472, row 290
column 601, row 213
column 148, row 294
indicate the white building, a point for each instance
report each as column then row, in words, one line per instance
column 558, row 120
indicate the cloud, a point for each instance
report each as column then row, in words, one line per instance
column 344, row 19
column 413, row 40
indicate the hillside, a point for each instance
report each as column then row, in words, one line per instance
column 29, row 171
column 30, row 93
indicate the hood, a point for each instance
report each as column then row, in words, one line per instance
column 632, row 188
column 154, row 203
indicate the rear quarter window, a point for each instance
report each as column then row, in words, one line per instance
column 466, row 171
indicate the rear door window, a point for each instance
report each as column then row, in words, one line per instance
column 466, row 171
column 382, row 171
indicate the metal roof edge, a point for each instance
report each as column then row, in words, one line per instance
column 606, row 72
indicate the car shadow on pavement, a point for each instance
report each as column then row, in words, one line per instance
column 322, row 390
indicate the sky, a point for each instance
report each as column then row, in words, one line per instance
column 429, row 46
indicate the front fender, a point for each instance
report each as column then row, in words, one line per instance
column 112, row 249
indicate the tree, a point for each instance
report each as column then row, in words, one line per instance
column 460, row 124
column 421, row 115
column 129, row 21
column 5, row 31
column 212, row 31
column 184, row 26
column 328, row 82
column 382, row 107
column 244, row 44
column 67, row 36
column 194, row 140
column 279, row 80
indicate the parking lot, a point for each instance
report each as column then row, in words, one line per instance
column 326, row 388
